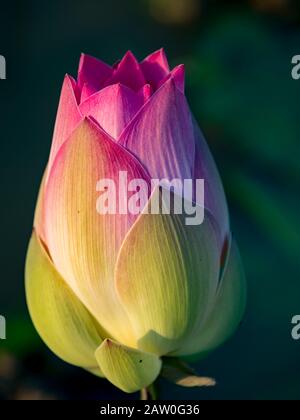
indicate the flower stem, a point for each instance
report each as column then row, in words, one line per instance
column 144, row 394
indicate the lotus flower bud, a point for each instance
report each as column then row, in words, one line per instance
column 113, row 291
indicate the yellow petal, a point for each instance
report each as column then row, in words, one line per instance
column 83, row 243
column 97, row 372
column 166, row 276
column 227, row 309
column 59, row 317
column 128, row 369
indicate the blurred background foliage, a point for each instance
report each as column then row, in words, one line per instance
column 238, row 60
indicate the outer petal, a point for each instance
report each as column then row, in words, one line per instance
column 166, row 284
column 161, row 135
column 60, row 318
column 128, row 72
column 113, row 108
column 83, row 243
column 215, row 200
column 92, row 72
column 39, row 210
column 128, row 369
column 68, row 117
column 227, row 309
column 155, row 68
column 178, row 75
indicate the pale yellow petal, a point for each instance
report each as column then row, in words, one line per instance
column 166, row 276
column 60, row 318
column 128, row 369
column 226, row 311
column 83, row 242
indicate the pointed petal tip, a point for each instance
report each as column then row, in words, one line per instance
column 93, row 71
column 68, row 116
column 82, row 58
column 178, row 75
column 69, row 79
column 127, row 57
column 92, row 124
column 180, row 67
column 128, row 72
column 170, row 86
column 127, row 368
column 160, row 57
column 156, row 68
column 88, row 57
column 89, row 123
column 130, row 54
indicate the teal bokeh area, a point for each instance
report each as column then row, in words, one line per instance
column 238, row 61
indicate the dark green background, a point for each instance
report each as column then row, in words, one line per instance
column 238, row 58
